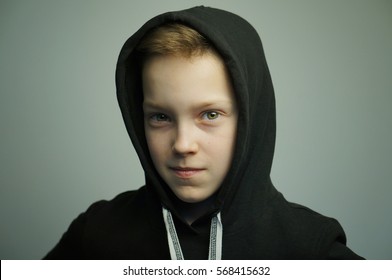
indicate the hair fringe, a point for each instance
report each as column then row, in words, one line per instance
column 174, row 39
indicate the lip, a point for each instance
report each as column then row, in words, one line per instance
column 186, row 172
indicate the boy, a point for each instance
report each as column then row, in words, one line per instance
column 198, row 103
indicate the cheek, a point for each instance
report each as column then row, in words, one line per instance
column 152, row 144
column 224, row 140
column 221, row 148
column 157, row 146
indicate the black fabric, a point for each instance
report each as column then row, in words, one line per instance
column 258, row 223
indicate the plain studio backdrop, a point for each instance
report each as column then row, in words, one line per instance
column 63, row 144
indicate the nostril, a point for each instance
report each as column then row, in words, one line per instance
column 184, row 146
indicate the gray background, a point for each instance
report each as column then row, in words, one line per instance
column 63, row 143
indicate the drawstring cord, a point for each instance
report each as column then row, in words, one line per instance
column 216, row 233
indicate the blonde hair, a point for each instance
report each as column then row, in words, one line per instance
column 174, row 39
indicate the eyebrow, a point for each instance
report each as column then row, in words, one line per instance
column 210, row 103
column 151, row 104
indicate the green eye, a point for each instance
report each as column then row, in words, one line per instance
column 212, row 115
column 160, row 117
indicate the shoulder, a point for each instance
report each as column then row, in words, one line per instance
column 109, row 228
column 128, row 199
column 137, row 205
column 320, row 236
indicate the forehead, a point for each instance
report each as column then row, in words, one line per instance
column 179, row 79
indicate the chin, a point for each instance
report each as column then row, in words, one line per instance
column 191, row 198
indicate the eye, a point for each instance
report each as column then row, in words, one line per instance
column 211, row 115
column 159, row 117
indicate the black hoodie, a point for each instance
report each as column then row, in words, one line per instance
column 258, row 223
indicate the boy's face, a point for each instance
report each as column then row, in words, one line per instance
column 190, row 119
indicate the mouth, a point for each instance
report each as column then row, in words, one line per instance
column 186, row 172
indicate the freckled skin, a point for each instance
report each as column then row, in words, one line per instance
column 190, row 118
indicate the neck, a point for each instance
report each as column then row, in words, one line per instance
column 193, row 211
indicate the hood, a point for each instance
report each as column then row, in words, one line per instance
column 248, row 183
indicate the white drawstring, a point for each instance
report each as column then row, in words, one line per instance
column 174, row 243
column 216, row 234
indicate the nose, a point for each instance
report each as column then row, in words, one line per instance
column 185, row 142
